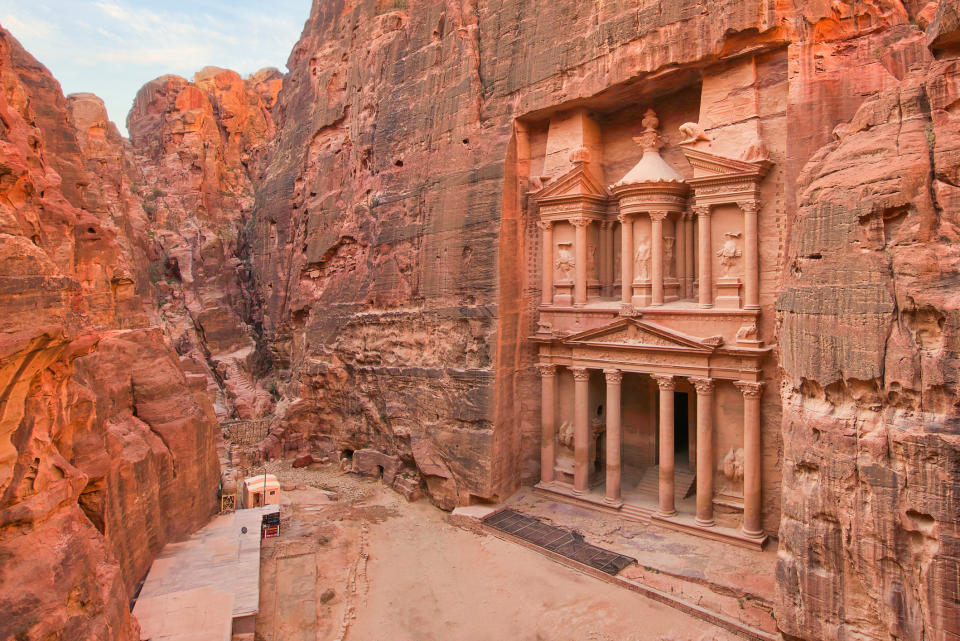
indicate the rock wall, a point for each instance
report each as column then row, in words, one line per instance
column 869, row 337
column 107, row 446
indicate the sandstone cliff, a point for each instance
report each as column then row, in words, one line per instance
column 107, row 448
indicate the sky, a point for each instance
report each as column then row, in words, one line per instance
column 114, row 47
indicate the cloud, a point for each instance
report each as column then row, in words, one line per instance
column 113, row 47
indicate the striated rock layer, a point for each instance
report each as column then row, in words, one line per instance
column 107, row 446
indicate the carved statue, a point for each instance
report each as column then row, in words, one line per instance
column 565, row 434
column 668, row 243
column 693, row 132
column 732, row 465
column 729, row 253
column 591, row 260
column 565, row 261
column 642, row 259
column 748, row 332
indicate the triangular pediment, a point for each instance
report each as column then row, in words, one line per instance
column 638, row 333
column 706, row 164
column 579, row 182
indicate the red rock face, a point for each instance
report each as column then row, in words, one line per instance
column 107, row 451
column 197, row 145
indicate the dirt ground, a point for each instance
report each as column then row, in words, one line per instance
column 356, row 561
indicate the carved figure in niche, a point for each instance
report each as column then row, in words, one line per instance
column 592, row 260
column 668, row 243
column 729, row 253
column 748, row 332
column 565, row 434
column 642, row 259
column 732, row 465
column 565, row 261
column 693, row 132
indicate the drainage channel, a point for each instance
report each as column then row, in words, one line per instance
column 557, row 540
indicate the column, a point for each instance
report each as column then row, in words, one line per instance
column 752, row 459
column 751, row 255
column 704, row 387
column 680, row 254
column 614, row 378
column 581, row 430
column 666, row 504
column 656, row 256
column 626, row 259
column 546, row 227
column 580, row 268
column 548, row 421
column 688, row 253
column 706, row 257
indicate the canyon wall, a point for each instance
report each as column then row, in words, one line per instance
column 107, row 443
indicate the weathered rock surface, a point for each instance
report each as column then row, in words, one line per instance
column 107, row 451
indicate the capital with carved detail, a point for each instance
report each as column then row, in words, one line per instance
column 749, row 389
column 624, row 218
column 704, row 386
column 702, row 211
column 658, row 216
column 749, row 206
column 547, row 370
column 580, row 221
column 613, row 375
column 580, row 373
column 545, row 224
column 666, row 383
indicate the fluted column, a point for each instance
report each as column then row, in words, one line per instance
column 666, row 505
column 626, row 259
column 751, row 255
column 580, row 268
column 614, row 378
column 548, row 421
column 752, row 459
column 688, row 255
column 546, row 233
column 706, row 257
column 581, row 430
column 656, row 256
column 704, row 387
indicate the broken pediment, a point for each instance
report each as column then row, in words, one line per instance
column 579, row 182
column 706, row 165
column 642, row 334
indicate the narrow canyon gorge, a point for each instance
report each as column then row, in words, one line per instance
column 693, row 265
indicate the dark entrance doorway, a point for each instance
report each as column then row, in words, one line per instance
column 681, row 430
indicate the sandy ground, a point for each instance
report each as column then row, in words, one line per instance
column 367, row 566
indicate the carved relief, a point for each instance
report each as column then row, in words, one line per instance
column 565, row 434
column 565, row 261
column 668, row 245
column 748, row 332
column 641, row 259
column 730, row 252
column 732, row 465
column 592, row 260
column 692, row 132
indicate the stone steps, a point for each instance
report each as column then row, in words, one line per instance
column 683, row 483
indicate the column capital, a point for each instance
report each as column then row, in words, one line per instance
column 749, row 389
column 687, row 215
column 579, row 221
column 665, row 382
column 749, row 206
column 625, row 218
column 545, row 224
column 547, row 369
column 658, row 216
column 580, row 373
column 702, row 211
column 613, row 375
column 703, row 386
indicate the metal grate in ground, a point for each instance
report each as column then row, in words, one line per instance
column 557, row 540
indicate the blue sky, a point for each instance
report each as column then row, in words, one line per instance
column 113, row 47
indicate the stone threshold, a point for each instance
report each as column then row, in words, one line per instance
column 643, row 514
column 731, row 625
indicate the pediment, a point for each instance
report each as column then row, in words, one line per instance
column 643, row 334
column 706, row 164
column 579, row 182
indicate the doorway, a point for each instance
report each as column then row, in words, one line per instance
column 681, row 431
